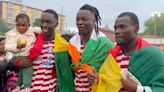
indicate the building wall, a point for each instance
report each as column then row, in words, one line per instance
column 61, row 22
column 11, row 10
column 0, row 10
column 108, row 33
column 154, row 41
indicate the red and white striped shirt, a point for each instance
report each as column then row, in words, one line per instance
column 44, row 74
column 81, row 79
column 122, row 60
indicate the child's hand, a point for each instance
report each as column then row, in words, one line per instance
column 21, row 44
column 2, row 58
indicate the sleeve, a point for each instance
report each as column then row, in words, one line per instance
column 11, row 43
column 3, row 64
column 143, row 89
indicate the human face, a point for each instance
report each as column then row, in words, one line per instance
column 125, row 30
column 85, row 21
column 48, row 24
column 22, row 25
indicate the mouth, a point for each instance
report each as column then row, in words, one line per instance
column 118, row 36
column 45, row 30
column 81, row 27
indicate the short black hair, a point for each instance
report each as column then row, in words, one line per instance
column 95, row 11
column 51, row 12
column 22, row 15
column 132, row 16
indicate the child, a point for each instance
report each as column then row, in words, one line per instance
column 19, row 40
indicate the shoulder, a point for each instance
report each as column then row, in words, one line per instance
column 11, row 32
column 149, row 53
column 74, row 38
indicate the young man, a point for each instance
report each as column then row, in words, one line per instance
column 133, row 65
column 89, row 47
column 50, row 60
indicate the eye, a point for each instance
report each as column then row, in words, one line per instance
column 122, row 26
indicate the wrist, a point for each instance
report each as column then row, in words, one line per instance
column 140, row 88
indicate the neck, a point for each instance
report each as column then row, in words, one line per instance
column 85, row 38
column 49, row 37
column 129, row 48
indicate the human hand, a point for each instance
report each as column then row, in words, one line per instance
column 93, row 77
column 26, row 63
column 21, row 44
column 2, row 58
column 129, row 84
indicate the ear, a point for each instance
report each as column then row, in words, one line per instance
column 56, row 24
column 136, row 28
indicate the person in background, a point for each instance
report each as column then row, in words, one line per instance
column 3, row 62
column 20, row 39
column 67, row 37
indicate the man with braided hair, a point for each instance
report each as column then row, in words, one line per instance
column 88, row 48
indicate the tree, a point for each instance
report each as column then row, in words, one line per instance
column 37, row 22
column 155, row 25
column 3, row 27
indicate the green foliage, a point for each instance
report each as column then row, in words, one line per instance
column 37, row 22
column 153, row 24
column 3, row 27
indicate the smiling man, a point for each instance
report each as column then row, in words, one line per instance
column 49, row 59
column 89, row 47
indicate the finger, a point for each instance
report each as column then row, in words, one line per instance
column 91, row 76
column 91, row 81
column 94, row 70
column 29, row 63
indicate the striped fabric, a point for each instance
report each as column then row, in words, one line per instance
column 122, row 60
column 44, row 74
column 81, row 78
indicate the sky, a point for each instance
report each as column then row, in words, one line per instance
column 109, row 9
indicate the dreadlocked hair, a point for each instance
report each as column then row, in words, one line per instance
column 95, row 11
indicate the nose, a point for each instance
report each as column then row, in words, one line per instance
column 117, row 31
column 44, row 24
column 79, row 22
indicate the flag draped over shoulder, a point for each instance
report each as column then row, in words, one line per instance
column 65, row 79
column 94, row 53
column 110, row 71
column 109, row 77
column 63, row 65
column 147, row 65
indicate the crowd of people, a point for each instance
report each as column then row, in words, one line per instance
column 38, row 59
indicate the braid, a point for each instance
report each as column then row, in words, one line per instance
column 95, row 11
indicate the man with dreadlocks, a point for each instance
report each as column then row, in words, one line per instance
column 88, row 48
